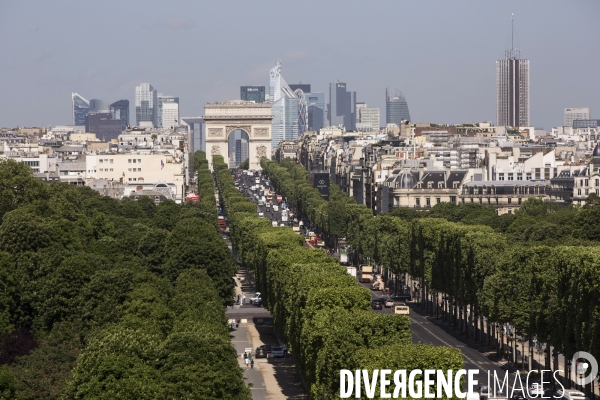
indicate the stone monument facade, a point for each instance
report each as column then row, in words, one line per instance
column 253, row 118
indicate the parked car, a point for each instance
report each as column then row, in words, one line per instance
column 277, row 352
column 401, row 297
column 257, row 303
column 260, row 352
column 377, row 304
column 255, row 297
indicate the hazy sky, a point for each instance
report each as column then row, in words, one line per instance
column 440, row 54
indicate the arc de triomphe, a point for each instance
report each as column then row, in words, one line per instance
column 253, row 118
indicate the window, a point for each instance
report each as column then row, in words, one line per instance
column 489, row 201
column 129, row 179
column 578, row 192
column 418, row 202
column 139, row 170
column 129, row 169
column 440, row 185
column 520, row 201
column 586, row 182
column 496, row 201
column 429, row 185
column 510, row 177
column 139, row 160
column 129, row 160
column 587, row 192
column 597, row 182
column 438, row 200
column 510, row 200
column 455, row 185
column 111, row 170
column 101, row 161
column 134, row 160
column 134, row 179
column 501, row 177
column 427, row 201
column 111, row 160
column 106, row 160
column 453, row 199
column 537, row 173
column 519, row 177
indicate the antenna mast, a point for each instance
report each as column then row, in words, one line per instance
column 512, row 35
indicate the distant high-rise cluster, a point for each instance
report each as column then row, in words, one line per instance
column 106, row 121
column 396, row 108
column 167, row 111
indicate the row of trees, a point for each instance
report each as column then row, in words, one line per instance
column 103, row 298
column 317, row 307
column 551, row 292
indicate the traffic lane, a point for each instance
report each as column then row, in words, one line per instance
column 425, row 331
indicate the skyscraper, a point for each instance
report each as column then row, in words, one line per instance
column 145, row 105
column 241, row 151
column 317, row 114
column 396, row 108
column 512, row 89
column 120, row 110
column 341, row 107
column 571, row 114
column 252, row 93
column 169, row 115
column 80, row 108
column 162, row 100
column 99, row 106
column 285, row 107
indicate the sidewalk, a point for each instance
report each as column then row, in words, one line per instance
column 241, row 341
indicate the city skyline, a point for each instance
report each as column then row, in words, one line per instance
column 448, row 75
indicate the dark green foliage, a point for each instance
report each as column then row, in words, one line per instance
column 111, row 299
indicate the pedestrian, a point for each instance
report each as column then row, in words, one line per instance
column 285, row 351
column 238, row 299
column 243, row 299
column 252, row 364
column 246, row 361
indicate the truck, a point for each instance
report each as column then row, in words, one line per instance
column 351, row 271
column 279, row 198
column 365, row 273
column 343, row 258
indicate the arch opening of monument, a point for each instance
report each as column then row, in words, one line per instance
column 237, row 142
column 221, row 119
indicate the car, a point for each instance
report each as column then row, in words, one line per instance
column 277, row 352
column 401, row 297
column 377, row 304
column 261, row 215
column 536, row 390
column 275, row 208
column 260, row 352
column 257, row 303
column 255, row 297
column 389, row 302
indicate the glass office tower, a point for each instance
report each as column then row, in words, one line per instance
column 146, row 105
column 81, row 107
column 252, row 93
column 396, row 107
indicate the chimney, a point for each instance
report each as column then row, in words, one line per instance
column 447, row 175
column 421, row 168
